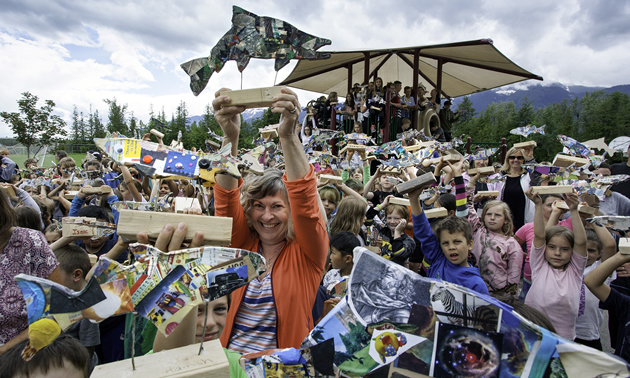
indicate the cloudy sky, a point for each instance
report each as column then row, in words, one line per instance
column 81, row 52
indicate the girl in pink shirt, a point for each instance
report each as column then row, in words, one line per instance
column 525, row 235
column 499, row 256
column 558, row 258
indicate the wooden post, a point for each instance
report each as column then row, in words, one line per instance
column 350, row 79
column 414, row 90
column 366, row 68
column 333, row 121
column 468, row 144
column 439, row 79
column 385, row 129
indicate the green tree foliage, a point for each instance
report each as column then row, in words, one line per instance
column 250, row 132
column 97, row 129
column 35, row 127
column 117, row 117
column 597, row 114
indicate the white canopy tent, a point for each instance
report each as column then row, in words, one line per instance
column 456, row 69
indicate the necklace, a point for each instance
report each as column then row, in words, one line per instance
column 270, row 261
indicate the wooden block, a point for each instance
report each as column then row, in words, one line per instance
column 93, row 259
column 391, row 170
column 453, row 158
column 529, row 143
column 213, row 144
column 417, row 183
column 179, row 363
column 266, row 133
column 399, row 201
column 71, row 229
column 370, row 158
column 99, row 190
column 355, row 147
column 566, row 160
column 183, row 202
column 429, row 143
column 253, row 98
column 9, row 190
column 332, row 178
column 156, row 133
column 216, row 230
column 374, row 249
column 488, row 193
column 581, row 208
column 412, row 148
column 440, row 212
column 624, row 246
column 70, row 195
column 553, row 189
column 77, row 182
column 484, row 171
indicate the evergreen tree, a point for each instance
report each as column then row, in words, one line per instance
column 75, row 128
column 117, row 119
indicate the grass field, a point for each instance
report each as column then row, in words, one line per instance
column 19, row 159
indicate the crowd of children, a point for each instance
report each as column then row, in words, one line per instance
column 556, row 262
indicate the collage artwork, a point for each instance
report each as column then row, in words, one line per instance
column 395, row 323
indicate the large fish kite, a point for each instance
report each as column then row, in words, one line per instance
column 252, row 36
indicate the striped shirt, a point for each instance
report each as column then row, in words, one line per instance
column 255, row 322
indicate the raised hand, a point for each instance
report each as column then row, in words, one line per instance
column 288, row 106
column 572, row 201
column 534, row 197
column 227, row 116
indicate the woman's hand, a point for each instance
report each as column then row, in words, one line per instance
column 572, row 201
column 171, row 239
column 227, row 116
column 288, row 106
column 534, row 197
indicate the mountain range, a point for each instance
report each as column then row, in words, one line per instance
column 540, row 96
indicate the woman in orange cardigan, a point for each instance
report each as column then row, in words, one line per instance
column 279, row 217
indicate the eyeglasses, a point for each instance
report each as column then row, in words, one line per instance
column 516, row 157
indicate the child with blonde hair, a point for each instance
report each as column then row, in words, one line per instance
column 558, row 259
column 499, row 256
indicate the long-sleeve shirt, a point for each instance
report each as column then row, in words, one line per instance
column 7, row 167
column 441, row 268
column 298, row 269
column 499, row 257
column 396, row 249
column 30, row 202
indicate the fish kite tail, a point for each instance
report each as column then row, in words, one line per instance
column 200, row 72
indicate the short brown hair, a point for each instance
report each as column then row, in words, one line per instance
column 67, row 162
column 453, row 225
column 72, row 257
